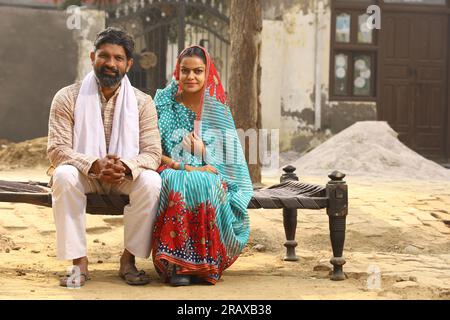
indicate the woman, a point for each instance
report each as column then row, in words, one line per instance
column 202, row 224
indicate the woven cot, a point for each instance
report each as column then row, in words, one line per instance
column 289, row 195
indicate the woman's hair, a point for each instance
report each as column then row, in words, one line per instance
column 194, row 52
column 116, row 36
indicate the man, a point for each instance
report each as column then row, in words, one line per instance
column 103, row 138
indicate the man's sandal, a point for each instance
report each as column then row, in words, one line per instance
column 135, row 278
column 63, row 281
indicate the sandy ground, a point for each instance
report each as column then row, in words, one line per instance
column 400, row 227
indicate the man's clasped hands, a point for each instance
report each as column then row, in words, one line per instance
column 110, row 169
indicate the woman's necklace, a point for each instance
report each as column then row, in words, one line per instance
column 191, row 107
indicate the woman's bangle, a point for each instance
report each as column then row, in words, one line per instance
column 182, row 166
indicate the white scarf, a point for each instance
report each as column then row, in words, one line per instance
column 89, row 131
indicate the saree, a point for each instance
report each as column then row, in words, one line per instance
column 202, row 223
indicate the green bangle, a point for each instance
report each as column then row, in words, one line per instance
column 182, row 166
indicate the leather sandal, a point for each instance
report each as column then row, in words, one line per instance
column 134, row 278
column 63, row 281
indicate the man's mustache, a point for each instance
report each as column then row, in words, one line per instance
column 105, row 69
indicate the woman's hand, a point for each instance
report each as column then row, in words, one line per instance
column 194, row 145
column 206, row 168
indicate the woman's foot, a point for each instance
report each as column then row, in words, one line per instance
column 198, row 280
column 178, row 280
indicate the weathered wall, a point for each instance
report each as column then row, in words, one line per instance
column 291, row 33
column 91, row 23
column 39, row 56
column 272, row 56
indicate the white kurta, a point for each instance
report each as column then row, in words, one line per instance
column 70, row 187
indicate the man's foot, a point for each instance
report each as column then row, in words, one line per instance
column 73, row 281
column 135, row 277
column 178, row 280
column 78, row 276
column 129, row 272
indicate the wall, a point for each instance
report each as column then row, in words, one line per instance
column 289, row 73
column 39, row 56
column 91, row 23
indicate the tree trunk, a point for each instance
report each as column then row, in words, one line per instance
column 244, row 82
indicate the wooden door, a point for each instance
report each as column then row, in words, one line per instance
column 413, row 97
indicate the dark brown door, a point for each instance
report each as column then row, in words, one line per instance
column 413, row 97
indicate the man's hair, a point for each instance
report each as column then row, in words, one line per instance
column 116, row 36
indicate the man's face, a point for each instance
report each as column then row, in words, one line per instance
column 110, row 64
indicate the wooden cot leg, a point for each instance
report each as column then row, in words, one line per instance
column 290, row 226
column 337, row 193
column 290, row 218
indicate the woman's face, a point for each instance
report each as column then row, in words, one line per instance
column 192, row 74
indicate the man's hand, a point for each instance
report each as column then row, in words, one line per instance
column 110, row 169
column 99, row 165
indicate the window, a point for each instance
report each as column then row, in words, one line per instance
column 343, row 28
column 353, row 53
column 362, row 75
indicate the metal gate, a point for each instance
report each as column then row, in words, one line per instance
column 162, row 29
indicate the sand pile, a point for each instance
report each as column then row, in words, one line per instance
column 4, row 142
column 369, row 148
column 26, row 154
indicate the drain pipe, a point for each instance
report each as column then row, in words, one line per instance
column 317, row 79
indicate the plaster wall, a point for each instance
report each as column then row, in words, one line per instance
column 295, row 56
column 39, row 55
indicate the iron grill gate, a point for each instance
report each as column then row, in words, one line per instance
column 162, row 29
